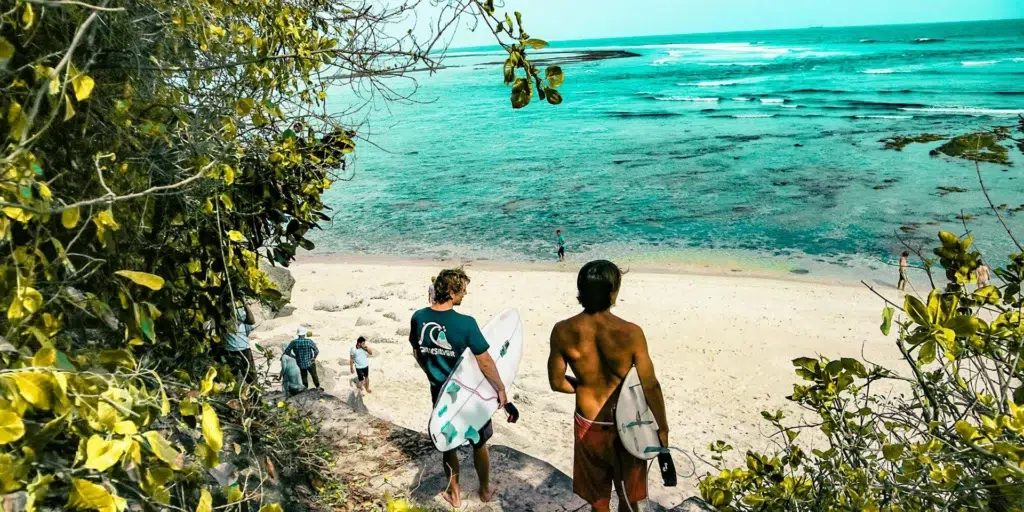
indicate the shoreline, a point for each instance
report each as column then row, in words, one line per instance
column 685, row 269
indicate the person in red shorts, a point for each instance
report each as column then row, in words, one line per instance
column 601, row 348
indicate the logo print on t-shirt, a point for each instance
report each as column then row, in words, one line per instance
column 435, row 333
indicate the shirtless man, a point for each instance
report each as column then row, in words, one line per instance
column 601, row 348
column 902, row 284
column 981, row 273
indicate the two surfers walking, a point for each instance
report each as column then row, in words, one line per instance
column 598, row 346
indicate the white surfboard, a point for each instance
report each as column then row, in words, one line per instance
column 638, row 430
column 467, row 400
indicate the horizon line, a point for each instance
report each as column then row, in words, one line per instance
column 498, row 47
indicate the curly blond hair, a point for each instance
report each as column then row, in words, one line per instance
column 448, row 283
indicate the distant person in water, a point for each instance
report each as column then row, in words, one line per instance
column 560, row 242
column 981, row 273
column 439, row 335
column 601, row 348
column 359, row 364
column 430, row 291
column 902, row 283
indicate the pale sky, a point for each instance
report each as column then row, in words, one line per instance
column 559, row 20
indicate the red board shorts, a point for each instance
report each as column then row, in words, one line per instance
column 600, row 460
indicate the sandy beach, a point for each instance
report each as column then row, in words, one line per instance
column 721, row 341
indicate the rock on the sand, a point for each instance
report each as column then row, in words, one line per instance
column 694, row 504
column 391, row 316
column 402, row 331
column 329, row 305
column 283, row 282
column 364, row 321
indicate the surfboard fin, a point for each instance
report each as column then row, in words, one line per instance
column 449, row 432
column 638, row 423
column 472, row 435
column 453, row 390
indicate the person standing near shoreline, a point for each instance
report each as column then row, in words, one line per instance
column 902, row 283
column 359, row 364
column 439, row 335
column 981, row 274
column 601, row 348
column 560, row 242
column 305, row 352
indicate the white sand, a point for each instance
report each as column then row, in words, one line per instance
column 721, row 344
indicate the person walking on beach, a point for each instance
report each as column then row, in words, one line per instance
column 430, row 291
column 305, row 352
column 902, row 283
column 239, row 351
column 981, row 274
column 359, row 363
column 560, row 243
column 439, row 335
column 601, row 348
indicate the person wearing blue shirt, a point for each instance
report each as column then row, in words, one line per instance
column 305, row 351
column 359, row 363
column 238, row 343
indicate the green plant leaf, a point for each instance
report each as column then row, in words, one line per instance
column 69, row 218
column 83, row 85
column 86, row 495
column 554, row 76
column 927, row 354
column 536, row 44
column 102, row 454
column 892, row 452
column 6, row 49
column 151, row 281
column 554, row 97
column 988, row 295
column 917, row 310
column 887, row 320
column 522, row 92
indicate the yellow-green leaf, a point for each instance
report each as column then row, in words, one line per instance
column 271, row 507
column 887, row 320
column 113, row 358
column 26, row 300
column 6, row 49
column 69, row 109
column 211, row 428
column 989, row 295
column 83, row 85
column 126, row 428
column 28, row 16
column 206, row 386
column 69, row 218
column 917, row 310
column 163, row 450
column 153, row 282
column 102, row 454
column 205, row 500
column 536, row 44
column 86, row 495
column 45, row 356
column 233, row 493
column 35, row 387
column 235, row 236
column 892, row 452
column 554, row 75
column 11, row 427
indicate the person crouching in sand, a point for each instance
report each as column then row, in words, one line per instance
column 601, row 348
column 439, row 335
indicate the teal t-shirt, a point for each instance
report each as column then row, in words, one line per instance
column 440, row 338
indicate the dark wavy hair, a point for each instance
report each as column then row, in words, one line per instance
column 596, row 283
column 448, row 283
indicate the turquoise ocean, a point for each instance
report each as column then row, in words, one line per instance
column 757, row 149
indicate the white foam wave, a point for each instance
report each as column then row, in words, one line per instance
column 978, row 63
column 740, row 98
column 882, row 71
column 724, row 83
column 1018, row 59
column 772, row 101
column 883, row 117
column 753, row 116
column 790, row 106
column 967, row 111
column 695, row 99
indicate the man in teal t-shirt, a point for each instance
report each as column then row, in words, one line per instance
column 439, row 335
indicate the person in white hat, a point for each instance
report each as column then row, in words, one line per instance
column 304, row 350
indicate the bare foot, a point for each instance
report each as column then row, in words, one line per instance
column 368, row 390
column 452, row 497
column 488, row 494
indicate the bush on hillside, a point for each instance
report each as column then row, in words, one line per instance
column 954, row 440
column 148, row 167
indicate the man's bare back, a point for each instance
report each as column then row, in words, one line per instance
column 601, row 348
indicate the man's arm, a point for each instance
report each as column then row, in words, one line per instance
column 650, row 384
column 490, row 372
column 414, row 341
column 352, row 361
column 250, row 319
column 316, row 350
column 557, row 366
column 368, row 350
column 289, row 350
